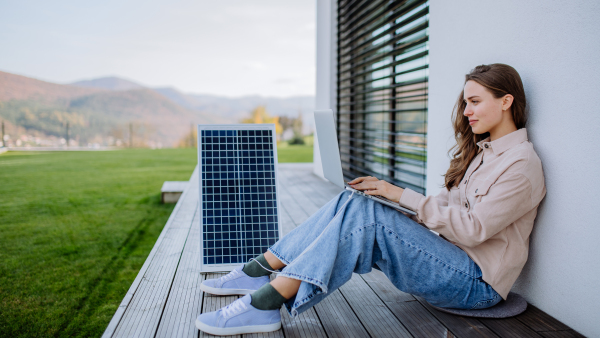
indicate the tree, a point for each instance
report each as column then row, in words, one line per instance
column 259, row 116
column 297, row 129
column 190, row 139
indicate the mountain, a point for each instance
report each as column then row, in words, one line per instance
column 94, row 115
column 233, row 109
column 238, row 108
column 168, row 120
column 17, row 87
column 103, row 110
column 109, row 83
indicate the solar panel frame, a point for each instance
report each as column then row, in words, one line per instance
column 213, row 267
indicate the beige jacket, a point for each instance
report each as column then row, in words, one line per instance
column 490, row 214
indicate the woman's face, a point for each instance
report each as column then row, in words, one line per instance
column 484, row 111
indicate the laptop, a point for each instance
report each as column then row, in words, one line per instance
column 330, row 158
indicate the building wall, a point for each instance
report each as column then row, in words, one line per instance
column 556, row 49
column 325, row 97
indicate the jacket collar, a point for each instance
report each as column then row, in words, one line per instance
column 505, row 142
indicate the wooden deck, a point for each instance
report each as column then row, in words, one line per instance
column 165, row 298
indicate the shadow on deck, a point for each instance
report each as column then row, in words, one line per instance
column 165, row 298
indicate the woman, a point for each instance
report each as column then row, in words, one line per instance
column 484, row 214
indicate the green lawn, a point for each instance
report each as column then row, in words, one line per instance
column 76, row 227
column 295, row 153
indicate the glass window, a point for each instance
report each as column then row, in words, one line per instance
column 382, row 72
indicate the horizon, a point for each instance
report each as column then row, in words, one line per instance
column 156, row 87
column 234, row 49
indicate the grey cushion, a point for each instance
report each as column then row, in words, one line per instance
column 512, row 306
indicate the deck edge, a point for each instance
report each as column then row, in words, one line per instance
column 114, row 322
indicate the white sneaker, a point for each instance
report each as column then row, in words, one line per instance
column 237, row 282
column 239, row 317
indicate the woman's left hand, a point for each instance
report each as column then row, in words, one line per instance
column 372, row 186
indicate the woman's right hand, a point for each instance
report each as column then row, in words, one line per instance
column 373, row 186
column 362, row 179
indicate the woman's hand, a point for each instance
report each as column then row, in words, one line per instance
column 372, row 186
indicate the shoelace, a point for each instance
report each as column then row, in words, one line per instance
column 262, row 266
column 233, row 308
column 229, row 276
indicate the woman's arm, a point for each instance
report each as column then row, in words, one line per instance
column 507, row 200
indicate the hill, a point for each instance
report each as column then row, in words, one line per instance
column 103, row 110
column 17, row 87
column 94, row 115
column 109, row 83
column 145, row 108
column 232, row 108
column 238, row 107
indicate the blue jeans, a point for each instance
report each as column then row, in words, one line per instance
column 354, row 234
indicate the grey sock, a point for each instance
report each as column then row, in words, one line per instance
column 253, row 269
column 267, row 298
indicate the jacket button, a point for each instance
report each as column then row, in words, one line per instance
column 486, row 146
column 466, row 205
column 476, row 190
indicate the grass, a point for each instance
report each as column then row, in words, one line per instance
column 294, row 153
column 76, row 227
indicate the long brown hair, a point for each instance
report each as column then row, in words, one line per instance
column 499, row 79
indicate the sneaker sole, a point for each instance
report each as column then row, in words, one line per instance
column 224, row 292
column 226, row 331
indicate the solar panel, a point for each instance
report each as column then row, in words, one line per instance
column 238, row 193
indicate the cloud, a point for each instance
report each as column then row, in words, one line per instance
column 255, row 65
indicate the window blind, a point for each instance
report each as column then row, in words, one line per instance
column 382, row 88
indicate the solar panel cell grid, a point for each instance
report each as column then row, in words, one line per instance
column 239, row 205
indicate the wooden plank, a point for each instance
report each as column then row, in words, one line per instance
column 538, row 320
column 129, row 296
column 312, row 187
column 338, row 319
column 562, row 334
column 418, row 321
column 371, row 311
column 308, row 203
column 144, row 313
column 322, row 186
column 307, row 324
column 287, row 224
column 142, row 316
column 184, row 303
column 509, row 327
column 458, row 325
column 290, row 205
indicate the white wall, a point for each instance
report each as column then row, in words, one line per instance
column 555, row 47
column 326, row 66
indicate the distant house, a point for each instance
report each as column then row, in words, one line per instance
column 392, row 70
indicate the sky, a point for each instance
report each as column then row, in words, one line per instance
column 223, row 47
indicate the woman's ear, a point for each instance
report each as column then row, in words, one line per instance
column 507, row 101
